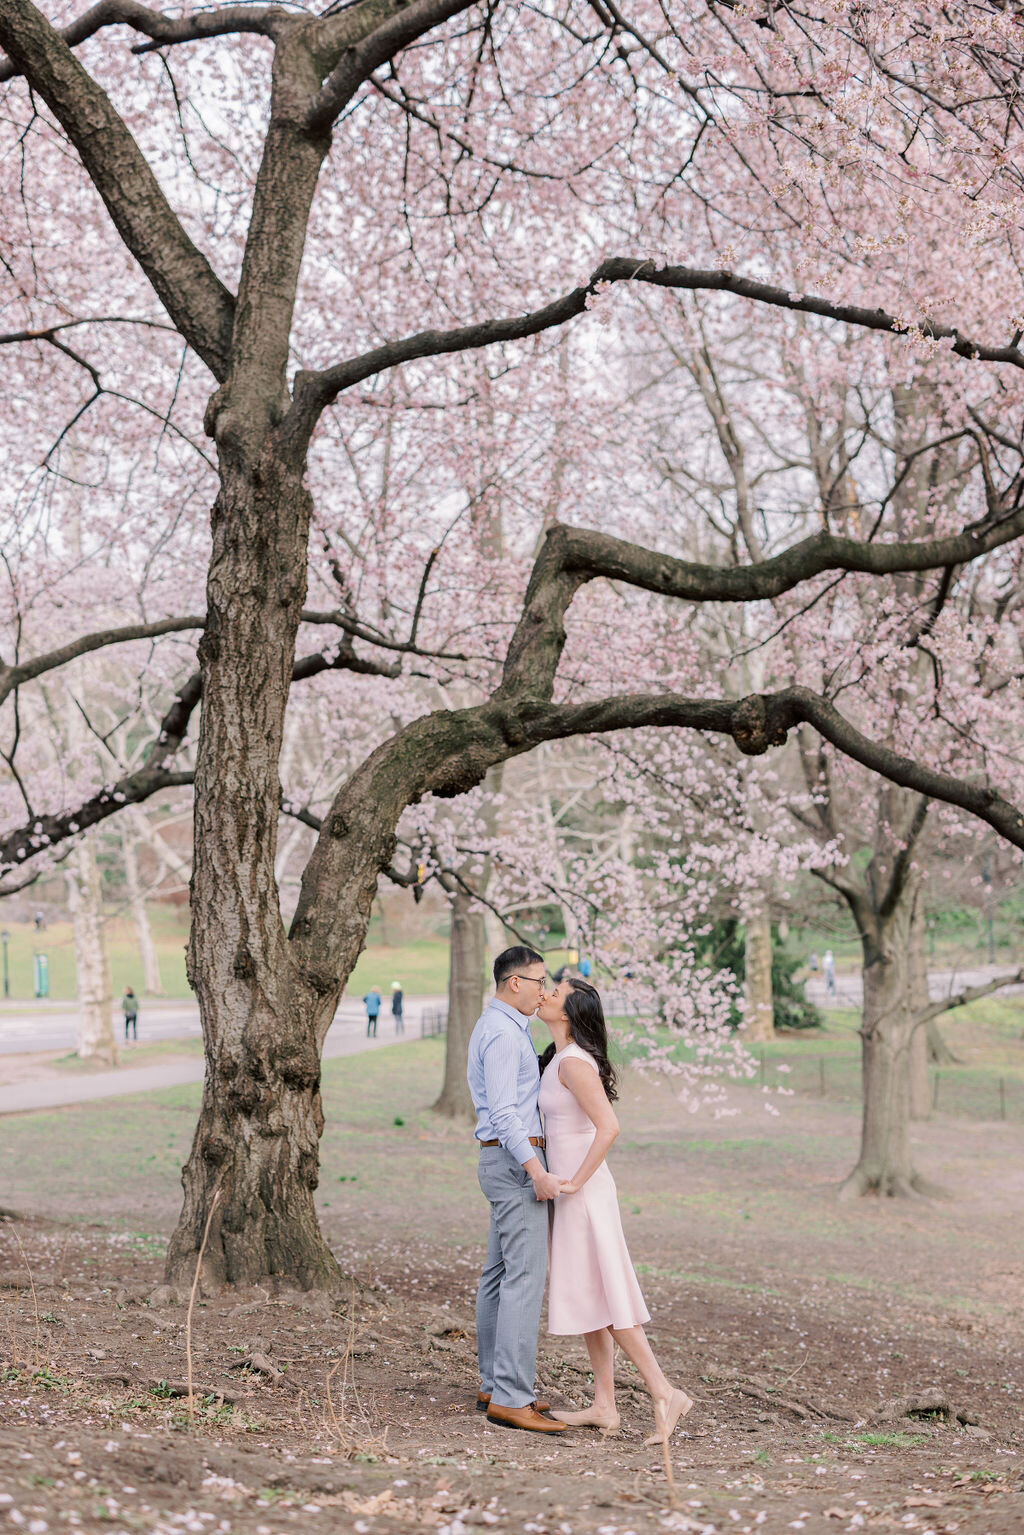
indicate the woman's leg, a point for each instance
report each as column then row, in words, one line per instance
column 603, row 1414
column 670, row 1404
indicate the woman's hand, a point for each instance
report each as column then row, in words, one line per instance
column 568, row 1187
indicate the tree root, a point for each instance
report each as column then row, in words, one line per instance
column 931, row 1402
column 861, row 1183
column 761, row 1390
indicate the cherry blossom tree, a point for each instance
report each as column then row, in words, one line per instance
column 291, row 231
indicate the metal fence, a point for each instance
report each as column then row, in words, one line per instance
column 433, row 1021
column 962, row 1092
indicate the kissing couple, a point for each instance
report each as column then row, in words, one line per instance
column 528, row 1169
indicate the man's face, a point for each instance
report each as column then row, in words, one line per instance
column 526, row 988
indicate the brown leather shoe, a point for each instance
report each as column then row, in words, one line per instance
column 483, row 1401
column 523, row 1417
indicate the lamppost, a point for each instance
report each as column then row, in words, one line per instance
column 5, row 939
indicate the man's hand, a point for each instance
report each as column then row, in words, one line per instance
column 546, row 1185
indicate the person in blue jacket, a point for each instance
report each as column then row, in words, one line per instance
column 372, row 1004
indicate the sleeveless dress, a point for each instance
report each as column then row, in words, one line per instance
column 593, row 1283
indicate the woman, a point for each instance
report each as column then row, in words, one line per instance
column 593, row 1288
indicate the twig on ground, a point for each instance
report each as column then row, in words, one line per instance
column 791, row 1374
column 667, row 1449
column 352, row 1439
column 32, row 1287
column 191, row 1303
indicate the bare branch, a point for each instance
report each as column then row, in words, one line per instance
column 968, row 994
column 182, row 277
column 365, row 37
column 901, row 864
column 13, row 676
column 314, row 391
column 571, row 556
column 164, row 30
column 43, row 832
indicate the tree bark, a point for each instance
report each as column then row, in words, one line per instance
column 96, row 1039
column 917, row 1000
column 887, row 1026
column 759, row 1016
column 465, row 1003
column 151, row 982
column 939, row 1053
column 263, row 1024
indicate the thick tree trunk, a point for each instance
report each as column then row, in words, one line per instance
column 920, row 1082
column 887, row 1026
column 96, row 1039
column 151, row 981
column 256, row 1144
column 759, row 1015
column 465, row 1003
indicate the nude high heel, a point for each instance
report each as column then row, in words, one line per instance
column 588, row 1418
column 666, row 1417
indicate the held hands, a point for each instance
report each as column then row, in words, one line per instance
column 546, row 1185
column 569, row 1187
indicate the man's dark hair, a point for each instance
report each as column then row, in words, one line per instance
column 511, row 960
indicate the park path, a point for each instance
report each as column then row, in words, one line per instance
column 347, row 1036
column 849, row 990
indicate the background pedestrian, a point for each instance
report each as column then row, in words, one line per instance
column 130, row 1008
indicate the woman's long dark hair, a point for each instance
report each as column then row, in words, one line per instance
column 587, row 1029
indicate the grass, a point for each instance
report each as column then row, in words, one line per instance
column 169, row 925
column 987, row 1037
column 422, row 967
column 128, row 1055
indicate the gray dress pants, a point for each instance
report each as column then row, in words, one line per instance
column 512, row 1283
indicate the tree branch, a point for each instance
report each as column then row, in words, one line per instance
column 449, row 752
column 969, row 994
column 315, row 390
column 902, row 862
column 363, row 38
column 13, row 676
column 45, row 831
column 344, row 658
column 182, row 277
column 571, row 556
column 164, row 30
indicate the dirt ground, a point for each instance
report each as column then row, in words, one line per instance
column 793, row 1320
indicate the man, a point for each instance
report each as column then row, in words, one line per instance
column 504, row 1080
column 372, row 1004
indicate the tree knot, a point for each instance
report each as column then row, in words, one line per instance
column 756, row 726
column 244, row 966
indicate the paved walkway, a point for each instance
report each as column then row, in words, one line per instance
column 849, row 990
column 347, row 1036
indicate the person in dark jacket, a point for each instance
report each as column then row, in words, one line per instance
column 130, row 1008
column 397, row 1004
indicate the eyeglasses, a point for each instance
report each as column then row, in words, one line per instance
column 538, row 980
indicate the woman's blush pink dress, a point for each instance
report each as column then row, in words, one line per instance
column 593, row 1283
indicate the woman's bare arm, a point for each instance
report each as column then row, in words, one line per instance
column 585, row 1085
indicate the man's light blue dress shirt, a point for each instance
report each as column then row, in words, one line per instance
column 504, row 1079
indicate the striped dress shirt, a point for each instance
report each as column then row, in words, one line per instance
column 504, row 1079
